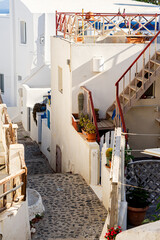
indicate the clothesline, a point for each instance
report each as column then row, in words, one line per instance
column 142, row 134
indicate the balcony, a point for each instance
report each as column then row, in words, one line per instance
column 106, row 27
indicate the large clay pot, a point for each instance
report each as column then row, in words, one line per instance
column 136, row 215
column 91, row 136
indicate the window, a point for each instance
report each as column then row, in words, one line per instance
column 23, row 32
column 2, row 82
column 19, row 78
column 60, row 80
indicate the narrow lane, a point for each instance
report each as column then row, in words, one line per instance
column 72, row 210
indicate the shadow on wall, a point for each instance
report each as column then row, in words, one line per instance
column 34, row 50
column 40, row 40
column 102, row 85
column 42, row 78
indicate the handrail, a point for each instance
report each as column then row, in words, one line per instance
column 10, row 141
column 138, row 57
column 93, row 112
column 11, row 190
column 117, row 83
column 70, row 24
column 7, row 179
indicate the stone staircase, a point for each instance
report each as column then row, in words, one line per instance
column 138, row 86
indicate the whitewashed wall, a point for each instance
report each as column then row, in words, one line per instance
column 22, row 60
column 14, row 223
column 34, row 129
column 105, row 180
column 46, row 140
column 5, row 59
column 30, row 97
column 76, row 152
column 117, row 58
column 40, row 78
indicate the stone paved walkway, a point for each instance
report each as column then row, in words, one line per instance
column 72, row 210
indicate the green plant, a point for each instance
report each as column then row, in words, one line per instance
column 90, row 127
column 156, row 217
column 128, row 156
column 109, row 153
column 138, row 197
column 83, row 120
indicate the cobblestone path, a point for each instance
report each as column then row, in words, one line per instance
column 72, row 210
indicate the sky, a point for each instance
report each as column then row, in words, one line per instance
column 4, row 6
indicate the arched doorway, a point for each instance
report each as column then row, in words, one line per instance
column 58, row 159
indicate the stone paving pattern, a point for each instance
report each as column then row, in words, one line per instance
column 72, row 210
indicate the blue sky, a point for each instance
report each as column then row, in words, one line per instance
column 4, row 6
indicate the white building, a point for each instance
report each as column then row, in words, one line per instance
column 25, row 58
column 25, row 42
column 73, row 67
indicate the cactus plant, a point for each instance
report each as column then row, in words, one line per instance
column 80, row 102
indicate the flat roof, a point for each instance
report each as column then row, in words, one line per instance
column 39, row 6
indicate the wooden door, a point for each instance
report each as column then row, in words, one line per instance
column 58, row 159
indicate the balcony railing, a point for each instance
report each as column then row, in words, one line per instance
column 13, row 186
column 80, row 26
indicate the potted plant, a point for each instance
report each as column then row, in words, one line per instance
column 112, row 233
column 109, row 157
column 138, row 203
column 83, row 121
column 75, row 116
column 128, row 156
column 90, row 130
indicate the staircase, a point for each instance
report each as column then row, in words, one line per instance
column 136, row 87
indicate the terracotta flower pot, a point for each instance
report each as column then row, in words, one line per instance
column 91, row 136
column 136, row 215
column 75, row 121
column 109, row 166
column 135, row 40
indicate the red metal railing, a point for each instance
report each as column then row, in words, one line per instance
column 93, row 111
column 123, row 75
column 76, row 24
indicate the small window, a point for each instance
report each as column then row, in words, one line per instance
column 2, row 82
column 60, row 80
column 19, row 78
column 23, row 32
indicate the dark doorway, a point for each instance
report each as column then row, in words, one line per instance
column 58, row 159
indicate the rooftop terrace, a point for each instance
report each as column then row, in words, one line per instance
column 88, row 27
